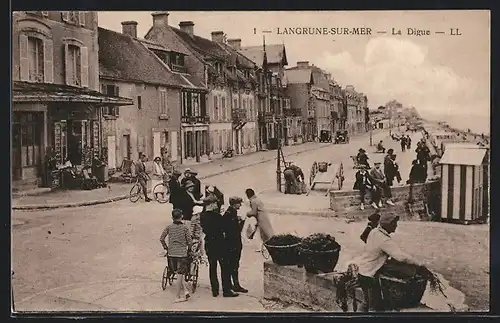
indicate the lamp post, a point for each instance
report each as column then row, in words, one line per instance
column 278, row 134
column 371, row 132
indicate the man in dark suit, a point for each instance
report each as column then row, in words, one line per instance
column 233, row 226
column 389, row 167
column 142, row 176
column 176, row 191
column 197, row 184
column 212, row 225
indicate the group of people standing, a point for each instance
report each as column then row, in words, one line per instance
column 419, row 169
column 202, row 225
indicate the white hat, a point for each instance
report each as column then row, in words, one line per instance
column 210, row 189
column 197, row 209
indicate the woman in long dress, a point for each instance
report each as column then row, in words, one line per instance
column 158, row 177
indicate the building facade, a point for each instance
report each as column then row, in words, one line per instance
column 135, row 68
column 356, row 104
column 56, row 98
column 197, row 116
column 272, row 95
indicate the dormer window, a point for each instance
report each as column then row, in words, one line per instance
column 176, row 62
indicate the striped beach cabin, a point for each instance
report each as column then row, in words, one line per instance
column 464, row 185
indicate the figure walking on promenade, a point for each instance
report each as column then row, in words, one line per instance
column 258, row 211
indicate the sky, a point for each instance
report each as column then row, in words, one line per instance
column 439, row 74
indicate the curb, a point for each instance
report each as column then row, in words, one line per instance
column 123, row 197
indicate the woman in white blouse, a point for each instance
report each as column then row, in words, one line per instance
column 158, row 177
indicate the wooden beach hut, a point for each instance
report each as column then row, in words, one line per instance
column 464, row 185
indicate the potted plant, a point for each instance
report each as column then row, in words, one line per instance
column 319, row 252
column 283, row 249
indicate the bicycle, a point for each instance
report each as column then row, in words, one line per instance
column 136, row 192
column 161, row 192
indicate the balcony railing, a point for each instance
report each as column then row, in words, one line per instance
column 178, row 68
column 195, row 119
column 292, row 112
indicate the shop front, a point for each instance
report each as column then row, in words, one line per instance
column 53, row 125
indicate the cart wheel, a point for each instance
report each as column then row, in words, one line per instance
column 265, row 252
column 161, row 198
column 194, row 278
column 135, row 193
column 164, row 278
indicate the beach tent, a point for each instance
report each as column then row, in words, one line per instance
column 464, row 185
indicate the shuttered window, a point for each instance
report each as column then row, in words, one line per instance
column 36, row 59
column 224, row 111
column 114, row 91
column 163, row 102
column 77, row 66
column 81, row 18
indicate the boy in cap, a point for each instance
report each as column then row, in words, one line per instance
column 232, row 226
column 379, row 247
column 179, row 244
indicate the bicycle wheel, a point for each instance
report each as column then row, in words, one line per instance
column 164, row 278
column 264, row 252
column 160, row 192
column 135, row 193
column 194, row 278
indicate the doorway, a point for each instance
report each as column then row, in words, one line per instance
column 27, row 134
column 125, row 147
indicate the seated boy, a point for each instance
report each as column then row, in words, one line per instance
column 179, row 244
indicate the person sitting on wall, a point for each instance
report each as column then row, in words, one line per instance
column 362, row 158
column 364, row 183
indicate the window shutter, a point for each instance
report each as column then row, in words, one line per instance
column 24, row 69
column 117, row 108
column 67, row 63
column 48, row 63
column 81, row 17
column 65, row 16
column 84, row 55
column 105, row 110
column 165, row 103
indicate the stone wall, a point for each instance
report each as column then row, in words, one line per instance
column 342, row 202
column 292, row 285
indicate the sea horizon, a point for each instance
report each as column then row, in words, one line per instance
column 476, row 123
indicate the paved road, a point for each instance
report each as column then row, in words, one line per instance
column 107, row 257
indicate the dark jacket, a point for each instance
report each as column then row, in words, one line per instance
column 175, row 192
column 390, row 169
column 212, row 226
column 187, row 204
column 360, row 178
column 232, row 227
column 197, row 185
column 362, row 159
column 219, row 196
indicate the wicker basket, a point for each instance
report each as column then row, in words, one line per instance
column 319, row 261
column 283, row 255
column 402, row 293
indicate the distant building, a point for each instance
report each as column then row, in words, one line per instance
column 56, row 99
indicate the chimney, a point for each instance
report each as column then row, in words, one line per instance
column 187, row 27
column 218, row 36
column 129, row 28
column 160, row 18
column 303, row 64
column 235, row 43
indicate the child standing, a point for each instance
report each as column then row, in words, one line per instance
column 179, row 244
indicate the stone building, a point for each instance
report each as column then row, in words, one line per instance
column 276, row 119
column 152, row 125
column 56, row 99
column 356, row 104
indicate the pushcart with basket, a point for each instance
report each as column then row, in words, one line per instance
column 326, row 173
column 195, row 261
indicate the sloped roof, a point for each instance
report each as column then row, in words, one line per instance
column 463, row 156
column 126, row 58
column 171, row 43
column 296, row 76
column 204, row 46
column 276, row 54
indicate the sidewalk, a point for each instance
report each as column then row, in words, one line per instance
column 120, row 191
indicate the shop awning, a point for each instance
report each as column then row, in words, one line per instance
column 43, row 92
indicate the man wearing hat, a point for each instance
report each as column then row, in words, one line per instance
column 378, row 248
column 190, row 175
column 362, row 158
column 382, row 187
column 232, row 236
column 390, row 170
column 189, row 201
column 364, row 183
column 176, row 191
column 142, row 175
